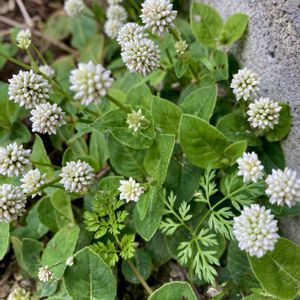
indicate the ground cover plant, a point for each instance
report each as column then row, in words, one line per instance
column 138, row 160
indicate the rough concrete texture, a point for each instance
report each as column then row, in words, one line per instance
column 271, row 48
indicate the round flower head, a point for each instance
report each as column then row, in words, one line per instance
column 181, row 47
column 256, row 230
column 158, row 15
column 283, row 187
column 47, row 118
column 112, row 28
column 77, row 176
column 24, row 39
column 73, row 8
column 141, row 56
column 70, row 261
column 12, row 202
column 33, row 180
column 28, row 89
column 19, row 294
column 129, row 32
column 116, row 12
column 130, row 190
column 14, row 160
column 250, row 167
column 45, row 274
column 47, row 70
column 244, row 84
column 264, row 113
column 90, row 82
column 135, row 120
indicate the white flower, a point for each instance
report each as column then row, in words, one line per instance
column 90, row 82
column 181, row 47
column 264, row 113
column 141, row 56
column 19, row 294
column 130, row 190
column 14, row 160
column 77, row 176
column 212, row 292
column 135, row 120
column 73, row 8
column 112, row 28
column 28, row 89
column 33, row 180
column 283, row 187
column 116, row 12
column 129, row 32
column 12, row 202
column 45, row 274
column 256, row 230
column 250, row 167
column 158, row 15
column 24, row 39
column 47, row 70
column 47, row 118
column 244, row 84
column 70, row 261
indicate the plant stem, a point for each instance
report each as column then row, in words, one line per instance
column 135, row 5
column 175, row 33
column 15, row 61
column 50, row 183
column 91, row 111
column 119, row 104
column 39, row 54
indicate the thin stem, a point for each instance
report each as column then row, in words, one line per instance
column 15, row 61
column 39, row 54
column 50, row 183
column 117, row 103
column 45, row 165
column 91, row 111
column 135, row 5
column 175, row 33
column 32, row 60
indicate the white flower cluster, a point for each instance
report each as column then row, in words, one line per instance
column 47, row 70
column 264, row 113
column 256, row 230
column 158, row 15
column 90, row 82
column 28, row 89
column 129, row 32
column 47, row 118
column 116, row 16
column 24, row 39
column 12, row 202
column 283, row 187
column 250, row 167
column 181, row 47
column 14, row 160
column 19, row 293
column 45, row 274
column 77, row 176
column 130, row 190
column 73, row 8
column 33, row 180
column 245, row 84
column 135, row 120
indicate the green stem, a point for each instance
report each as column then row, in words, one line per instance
column 175, row 33
column 16, row 61
column 50, row 183
column 119, row 104
column 39, row 54
column 45, row 165
column 135, row 5
column 91, row 111
column 33, row 62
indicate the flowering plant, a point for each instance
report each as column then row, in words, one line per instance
column 153, row 152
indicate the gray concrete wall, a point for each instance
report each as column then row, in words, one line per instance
column 272, row 49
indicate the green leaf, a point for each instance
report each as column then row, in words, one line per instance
column 202, row 143
column 59, row 248
column 90, row 278
column 145, row 199
column 93, row 50
column 166, row 115
column 57, row 26
column 98, row 149
column 235, row 150
column 158, row 157
column 175, row 290
column 180, row 68
column 142, row 261
column 20, row 133
column 234, row 28
column 4, row 238
column 283, row 127
column 206, row 24
column 201, row 102
column 278, row 271
column 139, row 95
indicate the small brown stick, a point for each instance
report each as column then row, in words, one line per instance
column 25, row 14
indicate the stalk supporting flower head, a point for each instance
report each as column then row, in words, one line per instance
column 158, row 15
column 116, row 12
column 47, row 118
column 250, row 167
column 90, row 82
column 77, row 176
column 19, row 293
column 47, row 70
column 33, row 180
column 135, row 120
column 264, row 113
column 28, row 89
column 45, row 274
column 141, row 56
column 283, row 187
column 74, row 8
column 256, row 230
column 24, row 39
column 112, row 28
column 14, row 160
column 12, row 202
column 130, row 190
column 245, row 84
column 129, row 32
